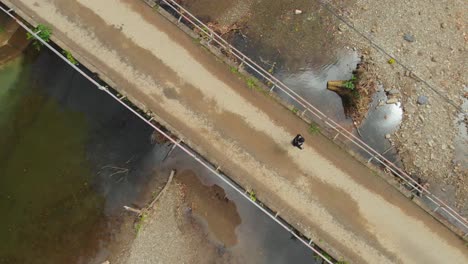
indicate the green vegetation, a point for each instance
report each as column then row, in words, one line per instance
column 313, row 128
column 391, row 61
column 342, row 262
column 349, row 84
column 252, row 195
column 295, row 110
column 251, row 83
column 140, row 222
column 234, row 70
column 43, row 32
column 70, row 57
column 1, row 29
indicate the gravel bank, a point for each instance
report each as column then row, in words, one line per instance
column 429, row 37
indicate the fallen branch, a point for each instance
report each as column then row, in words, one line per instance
column 151, row 205
column 130, row 209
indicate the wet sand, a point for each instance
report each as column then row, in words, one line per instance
column 321, row 190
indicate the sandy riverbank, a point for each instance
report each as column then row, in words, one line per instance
column 174, row 232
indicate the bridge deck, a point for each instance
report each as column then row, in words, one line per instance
column 321, row 189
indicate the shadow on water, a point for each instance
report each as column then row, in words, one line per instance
column 257, row 238
column 71, row 157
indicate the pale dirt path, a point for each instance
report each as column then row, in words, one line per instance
column 195, row 99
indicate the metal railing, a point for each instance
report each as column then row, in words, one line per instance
column 450, row 213
column 178, row 143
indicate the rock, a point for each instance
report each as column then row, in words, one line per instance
column 393, row 92
column 443, row 25
column 409, row 37
column 341, row 28
column 297, row 12
column 392, row 100
column 387, row 136
column 422, row 99
column 433, row 59
column 430, row 143
column 421, row 118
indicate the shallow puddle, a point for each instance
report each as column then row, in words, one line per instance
column 211, row 206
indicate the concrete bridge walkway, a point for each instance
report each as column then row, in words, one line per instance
column 321, row 190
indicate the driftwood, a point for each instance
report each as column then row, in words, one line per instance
column 356, row 93
column 133, row 210
column 151, row 204
column 338, row 87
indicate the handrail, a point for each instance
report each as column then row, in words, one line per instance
column 275, row 217
column 184, row 13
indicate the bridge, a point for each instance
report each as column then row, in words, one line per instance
column 322, row 190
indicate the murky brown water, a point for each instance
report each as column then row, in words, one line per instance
column 61, row 140
column 211, row 205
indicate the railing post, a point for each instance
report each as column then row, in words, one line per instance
column 242, row 61
column 337, row 134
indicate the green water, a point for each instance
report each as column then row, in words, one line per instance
column 48, row 209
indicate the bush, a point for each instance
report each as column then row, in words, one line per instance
column 43, row 32
column 70, row 57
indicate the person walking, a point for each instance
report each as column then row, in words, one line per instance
column 298, row 141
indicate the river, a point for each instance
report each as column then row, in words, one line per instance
column 62, row 142
column 71, row 158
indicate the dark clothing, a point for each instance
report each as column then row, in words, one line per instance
column 298, row 141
